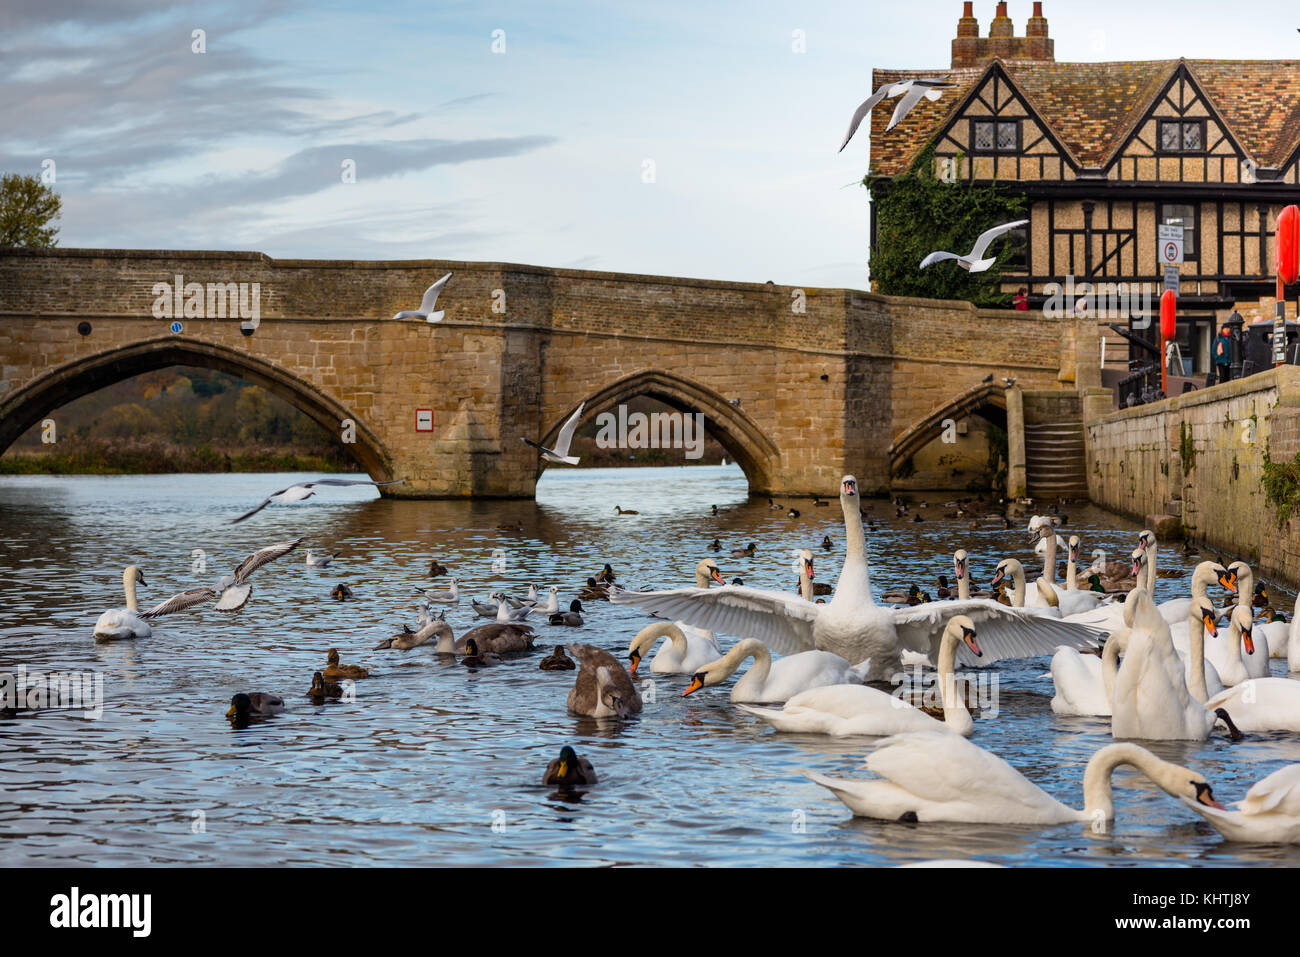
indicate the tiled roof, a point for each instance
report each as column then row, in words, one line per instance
column 1092, row 107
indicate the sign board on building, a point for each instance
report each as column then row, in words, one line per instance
column 1169, row 244
column 424, row 420
column 1172, row 277
column 1279, row 333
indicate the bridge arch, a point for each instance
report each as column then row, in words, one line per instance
column 734, row 429
column 34, row 400
column 976, row 400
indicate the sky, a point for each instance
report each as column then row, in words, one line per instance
column 675, row 138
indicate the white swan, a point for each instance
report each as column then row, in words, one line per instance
column 961, row 571
column 1084, row 683
column 1262, row 704
column 684, row 654
column 843, row 710
column 1039, row 601
column 124, row 623
column 1043, row 521
column 1072, row 564
column 1269, row 814
column 1242, row 577
column 851, row 624
column 775, row 681
column 1229, row 657
column 1071, row 602
column 944, row 777
column 1151, row 698
column 1293, row 644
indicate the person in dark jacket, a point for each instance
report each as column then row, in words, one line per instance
column 1223, row 354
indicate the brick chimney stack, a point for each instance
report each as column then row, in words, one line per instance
column 969, row 49
column 966, row 48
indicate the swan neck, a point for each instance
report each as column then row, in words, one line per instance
column 854, row 585
column 650, row 634
column 1096, row 779
column 1071, row 575
column 128, row 582
column 963, row 587
column 1196, row 648
column 1151, row 571
column 1049, row 556
column 805, row 584
column 1018, row 594
column 1110, row 663
column 955, row 714
column 730, row 663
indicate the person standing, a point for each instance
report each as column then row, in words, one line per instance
column 1021, row 301
column 1223, row 354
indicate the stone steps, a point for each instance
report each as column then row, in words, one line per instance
column 1055, row 460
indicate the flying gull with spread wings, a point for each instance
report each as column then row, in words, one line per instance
column 231, row 592
column 427, row 303
column 972, row 262
column 560, row 454
column 296, row 493
column 911, row 92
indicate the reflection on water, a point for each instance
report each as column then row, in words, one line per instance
column 434, row 763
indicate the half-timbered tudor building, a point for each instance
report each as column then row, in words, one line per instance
column 1105, row 153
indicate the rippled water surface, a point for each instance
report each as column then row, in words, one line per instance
column 430, row 756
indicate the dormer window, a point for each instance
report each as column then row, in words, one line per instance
column 995, row 136
column 1182, row 136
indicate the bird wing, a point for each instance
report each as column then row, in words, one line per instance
column 566, row 432
column 945, row 767
column 987, row 237
column 349, row 482
column 431, row 295
column 1280, row 791
column 781, row 621
column 909, row 100
column 867, row 106
column 265, row 502
column 234, row 597
column 181, row 601
column 260, row 557
column 1000, row 631
column 938, row 257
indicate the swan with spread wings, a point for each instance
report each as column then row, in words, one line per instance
column 852, row 625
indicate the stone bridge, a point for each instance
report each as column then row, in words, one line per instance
column 800, row 385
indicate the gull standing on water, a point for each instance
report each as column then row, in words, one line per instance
column 972, row 262
column 427, row 303
column 303, row 490
column 232, row 592
column 560, row 454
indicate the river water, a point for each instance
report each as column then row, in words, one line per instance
column 433, row 764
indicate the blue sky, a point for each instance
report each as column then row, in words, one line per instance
column 537, row 155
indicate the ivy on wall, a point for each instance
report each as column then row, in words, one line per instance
column 917, row 214
column 1281, row 481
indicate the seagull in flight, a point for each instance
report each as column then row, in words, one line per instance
column 296, row 493
column 972, row 262
column 911, row 92
column 560, row 454
column 427, row 303
column 232, row 591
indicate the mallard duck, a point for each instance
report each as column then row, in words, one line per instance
column 571, row 618
column 500, row 638
column 738, row 581
column 626, row 511
column 818, row 502
column 715, row 545
column 944, row 589
column 474, row 658
column 606, row 576
column 900, row 597
column 1189, row 548
column 774, row 506
column 557, row 661
column 254, row 704
column 594, row 591
column 719, row 511
column 747, row 552
column 1094, row 583
column 335, row 670
column 322, row 689
column 436, row 568
column 341, row 592
column 826, row 543
column 569, row 770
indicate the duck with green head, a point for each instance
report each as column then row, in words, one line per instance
column 569, row 769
